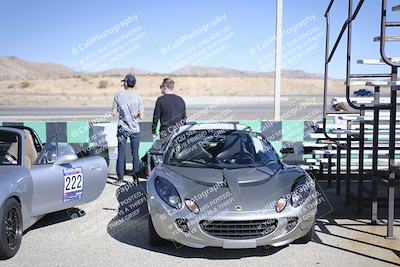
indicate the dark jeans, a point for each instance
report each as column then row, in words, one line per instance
column 135, row 140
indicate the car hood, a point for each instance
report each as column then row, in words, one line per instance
column 242, row 176
column 250, row 188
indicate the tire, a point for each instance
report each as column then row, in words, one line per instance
column 10, row 229
column 308, row 237
column 154, row 238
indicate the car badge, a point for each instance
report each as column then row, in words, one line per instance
column 238, row 208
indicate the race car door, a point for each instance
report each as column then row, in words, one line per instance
column 48, row 181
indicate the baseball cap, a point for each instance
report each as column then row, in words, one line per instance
column 130, row 80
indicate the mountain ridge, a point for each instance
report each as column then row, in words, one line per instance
column 13, row 68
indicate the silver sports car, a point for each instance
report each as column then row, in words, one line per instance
column 223, row 185
column 36, row 180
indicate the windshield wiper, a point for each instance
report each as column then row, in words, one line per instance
column 209, row 164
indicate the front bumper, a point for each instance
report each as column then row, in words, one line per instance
column 166, row 220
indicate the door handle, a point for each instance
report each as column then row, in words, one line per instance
column 95, row 168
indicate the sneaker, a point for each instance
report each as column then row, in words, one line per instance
column 118, row 182
column 135, row 178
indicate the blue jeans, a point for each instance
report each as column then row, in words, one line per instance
column 121, row 160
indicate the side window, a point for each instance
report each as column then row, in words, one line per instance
column 49, row 153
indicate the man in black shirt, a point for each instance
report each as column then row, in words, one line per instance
column 170, row 110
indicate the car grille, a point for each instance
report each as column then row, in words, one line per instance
column 239, row 229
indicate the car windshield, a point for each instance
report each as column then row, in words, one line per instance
column 221, row 149
column 49, row 153
column 9, row 148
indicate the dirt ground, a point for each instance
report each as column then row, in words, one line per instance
column 98, row 91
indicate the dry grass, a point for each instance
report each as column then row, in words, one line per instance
column 85, row 91
column 25, row 84
column 103, row 84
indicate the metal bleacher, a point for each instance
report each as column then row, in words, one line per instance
column 365, row 149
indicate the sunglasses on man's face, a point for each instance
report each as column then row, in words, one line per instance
column 161, row 86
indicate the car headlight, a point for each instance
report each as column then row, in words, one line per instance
column 300, row 191
column 280, row 205
column 192, row 206
column 167, row 192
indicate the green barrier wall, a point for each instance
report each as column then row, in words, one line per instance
column 79, row 134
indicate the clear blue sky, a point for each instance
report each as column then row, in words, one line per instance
column 49, row 31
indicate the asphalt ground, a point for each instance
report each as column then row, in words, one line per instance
column 201, row 108
column 96, row 234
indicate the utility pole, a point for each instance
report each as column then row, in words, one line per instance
column 278, row 59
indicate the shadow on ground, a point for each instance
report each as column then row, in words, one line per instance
column 134, row 230
column 57, row 217
column 354, row 228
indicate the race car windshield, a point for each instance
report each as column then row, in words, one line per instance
column 9, row 148
column 221, row 149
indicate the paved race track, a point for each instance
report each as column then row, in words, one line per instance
column 98, row 238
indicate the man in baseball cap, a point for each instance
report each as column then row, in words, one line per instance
column 129, row 107
column 129, row 80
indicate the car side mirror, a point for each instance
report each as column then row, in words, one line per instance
column 287, row 150
column 66, row 158
column 66, row 154
column 154, row 151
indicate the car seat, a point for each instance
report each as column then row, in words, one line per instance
column 232, row 146
column 30, row 150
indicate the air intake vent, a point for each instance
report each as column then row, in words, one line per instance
column 239, row 229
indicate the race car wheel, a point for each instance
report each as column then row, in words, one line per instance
column 154, row 238
column 308, row 237
column 10, row 228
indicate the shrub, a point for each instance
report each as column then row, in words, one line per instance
column 103, row 84
column 25, row 84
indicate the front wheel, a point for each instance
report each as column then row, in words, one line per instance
column 10, row 228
